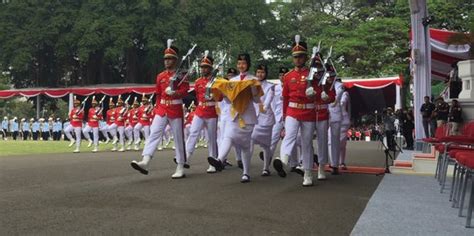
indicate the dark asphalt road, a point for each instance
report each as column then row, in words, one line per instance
column 100, row 194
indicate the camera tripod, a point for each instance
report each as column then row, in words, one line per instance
column 396, row 148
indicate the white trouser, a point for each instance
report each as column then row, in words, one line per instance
column 262, row 136
column 129, row 132
column 112, row 130
column 220, row 133
column 187, row 129
column 322, row 136
column 334, row 143
column 95, row 133
column 156, row 132
column 77, row 132
column 276, row 135
column 197, row 125
column 67, row 131
column 343, row 142
column 240, row 138
column 166, row 137
column 144, row 129
column 288, row 145
column 121, row 133
column 104, row 131
column 222, row 128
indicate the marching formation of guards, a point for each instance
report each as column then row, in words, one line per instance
column 245, row 110
column 239, row 112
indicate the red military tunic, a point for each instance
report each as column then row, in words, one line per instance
column 143, row 116
column 322, row 112
column 133, row 117
column 206, row 108
column 110, row 116
column 294, row 91
column 169, row 109
column 120, row 118
column 76, row 119
column 93, row 119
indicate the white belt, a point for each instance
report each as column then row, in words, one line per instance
column 301, row 105
column 207, row 104
column 321, row 107
column 171, row 102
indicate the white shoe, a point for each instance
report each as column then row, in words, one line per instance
column 284, row 159
column 174, row 148
column 138, row 142
column 107, row 140
column 76, row 150
column 72, row 143
column 179, row 173
column 321, row 172
column 205, row 145
column 122, row 149
column 96, row 149
column 308, row 178
column 90, row 144
column 115, row 140
column 142, row 165
column 211, row 169
column 136, row 148
column 160, row 148
column 129, row 148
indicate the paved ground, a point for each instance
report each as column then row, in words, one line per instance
column 411, row 205
column 101, row 194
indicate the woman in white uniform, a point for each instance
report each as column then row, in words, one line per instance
column 262, row 132
column 240, row 126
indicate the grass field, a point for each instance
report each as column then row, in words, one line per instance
column 12, row 147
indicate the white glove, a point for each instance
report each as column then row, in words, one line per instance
column 324, row 96
column 169, row 91
column 310, row 92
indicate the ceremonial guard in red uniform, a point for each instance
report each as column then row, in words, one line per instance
column 144, row 114
column 132, row 118
column 120, row 117
column 110, row 121
column 300, row 95
column 325, row 96
column 93, row 117
column 75, row 116
column 168, row 110
column 205, row 114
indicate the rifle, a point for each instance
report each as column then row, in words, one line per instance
column 325, row 76
column 213, row 78
column 150, row 106
column 83, row 104
column 178, row 70
column 101, row 106
column 188, row 74
column 313, row 68
column 124, row 109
